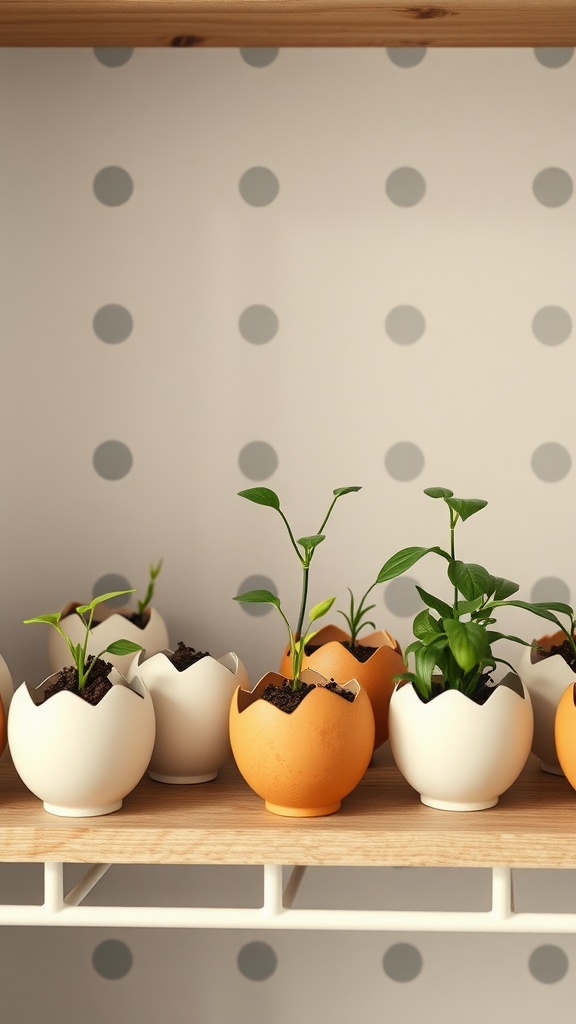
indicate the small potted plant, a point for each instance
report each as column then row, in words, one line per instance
column 191, row 692
column 145, row 627
column 459, row 736
column 301, row 741
column 547, row 668
column 373, row 660
column 82, row 739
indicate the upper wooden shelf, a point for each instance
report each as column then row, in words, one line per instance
column 382, row 823
column 250, row 23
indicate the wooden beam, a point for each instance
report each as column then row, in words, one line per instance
column 235, row 23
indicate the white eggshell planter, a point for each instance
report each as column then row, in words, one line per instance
column 545, row 678
column 459, row 755
column 80, row 759
column 153, row 638
column 192, row 711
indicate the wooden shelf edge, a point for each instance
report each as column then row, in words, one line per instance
column 286, row 23
column 382, row 823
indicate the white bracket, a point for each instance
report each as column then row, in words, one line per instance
column 277, row 911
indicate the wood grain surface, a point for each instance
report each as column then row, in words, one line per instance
column 286, row 23
column 224, row 822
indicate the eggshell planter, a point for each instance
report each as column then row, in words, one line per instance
column 192, row 709
column 153, row 638
column 546, row 679
column 302, row 764
column 459, row 755
column 565, row 733
column 80, row 759
column 376, row 675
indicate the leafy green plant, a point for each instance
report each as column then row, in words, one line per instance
column 304, row 548
column 454, row 640
column 79, row 650
column 154, row 573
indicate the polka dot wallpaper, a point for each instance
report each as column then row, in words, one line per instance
column 303, row 269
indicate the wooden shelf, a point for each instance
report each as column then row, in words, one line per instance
column 382, row 823
column 250, row 23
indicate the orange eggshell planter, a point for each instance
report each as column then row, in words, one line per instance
column 303, row 763
column 565, row 733
column 333, row 661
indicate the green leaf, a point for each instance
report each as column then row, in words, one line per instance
column 345, row 490
column 425, row 627
column 82, row 609
column 466, row 507
column 503, row 589
column 438, row 492
column 320, row 609
column 468, row 642
column 123, row 647
column 470, row 579
column 424, row 665
column 405, row 559
column 258, row 597
column 468, row 607
column 545, row 610
column 493, row 636
column 52, row 620
column 444, row 610
column 309, row 543
column 261, row 496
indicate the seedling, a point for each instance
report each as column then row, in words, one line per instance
column 79, row 650
column 453, row 640
column 297, row 644
column 304, row 548
column 154, row 573
column 356, row 615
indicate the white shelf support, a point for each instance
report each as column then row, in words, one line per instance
column 277, row 911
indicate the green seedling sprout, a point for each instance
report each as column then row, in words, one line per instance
column 453, row 638
column 79, row 650
column 297, row 644
column 304, row 548
column 154, row 573
column 356, row 615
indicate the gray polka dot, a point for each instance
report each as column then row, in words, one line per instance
column 257, row 961
column 112, row 324
column 259, row 56
column 548, row 964
column 553, row 186
column 405, row 325
column 258, row 460
column 258, row 324
column 402, row 962
column 257, row 583
column 404, row 461
column 553, row 56
column 551, row 462
column 552, row 325
column 107, row 584
column 405, row 186
column 113, row 186
column 259, row 186
column 406, row 56
column 401, row 597
column 113, row 56
column 112, row 959
column 550, row 588
column 112, row 460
